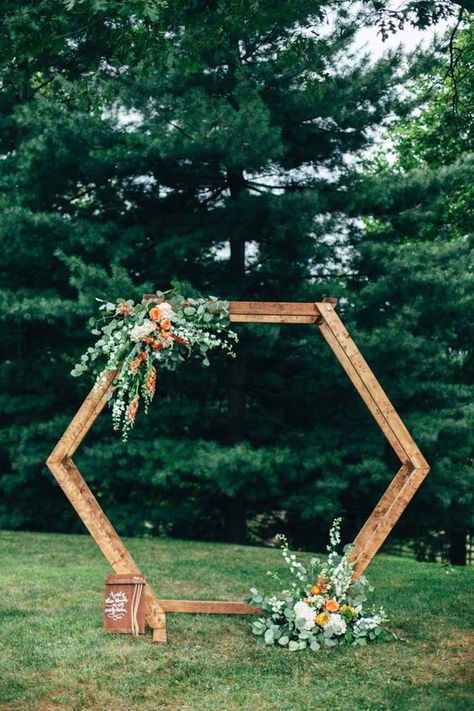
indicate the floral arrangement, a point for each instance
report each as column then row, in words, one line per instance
column 323, row 607
column 139, row 339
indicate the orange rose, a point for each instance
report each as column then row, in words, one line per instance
column 165, row 324
column 165, row 334
column 332, row 605
column 157, row 345
column 155, row 313
column 315, row 590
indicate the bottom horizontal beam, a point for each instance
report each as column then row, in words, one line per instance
column 209, row 607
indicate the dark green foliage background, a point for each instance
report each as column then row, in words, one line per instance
column 208, row 142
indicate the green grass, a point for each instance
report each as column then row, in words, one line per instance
column 55, row 655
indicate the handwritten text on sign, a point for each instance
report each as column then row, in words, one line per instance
column 115, row 605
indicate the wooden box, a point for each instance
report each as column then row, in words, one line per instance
column 124, row 604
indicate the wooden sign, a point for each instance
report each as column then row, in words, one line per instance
column 124, row 604
column 383, row 518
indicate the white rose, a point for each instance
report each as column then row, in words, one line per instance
column 139, row 332
column 337, row 623
column 166, row 311
column 303, row 611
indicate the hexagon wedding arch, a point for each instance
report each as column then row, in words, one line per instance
column 413, row 468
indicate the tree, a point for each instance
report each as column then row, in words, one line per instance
column 414, row 276
column 208, row 143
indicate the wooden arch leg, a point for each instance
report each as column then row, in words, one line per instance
column 87, row 507
column 414, row 466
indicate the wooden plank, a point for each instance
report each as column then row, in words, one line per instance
column 94, row 519
column 271, row 318
column 371, row 383
column 82, row 420
column 393, row 514
column 380, row 510
column 280, row 308
column 363, row 392
column 264, row 308
column 209, row 607
column 414, row 466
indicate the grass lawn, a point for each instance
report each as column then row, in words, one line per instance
column 54, row 654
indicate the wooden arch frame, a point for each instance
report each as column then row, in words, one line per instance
column 413, row 468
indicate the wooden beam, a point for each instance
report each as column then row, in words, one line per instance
column 82, row 420
column 271, row 318
column 414, row 466
column 373, row 387
column 277, row 308
column 86, row 505
column 209, row 607
column 386, row 524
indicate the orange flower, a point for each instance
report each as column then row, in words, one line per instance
column 165, row 334
column 315, row 590
column 332, row 605
column 323, row 583
column 180, row 340
column 165, row 324
column 322, row 619
column 151, row 381
column 155, row 313
column 157, row 345
column 133, row 409
column 142, row 355
column 149, row 340
column 125, row 309
column 135, row 364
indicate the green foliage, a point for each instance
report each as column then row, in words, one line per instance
column 414, row 288
column 210, row 145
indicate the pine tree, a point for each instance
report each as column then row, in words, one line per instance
column 414, row 290
column 210, row 146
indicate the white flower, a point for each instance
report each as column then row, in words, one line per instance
column 166, row 310
column 337, row 623
column 138, row 333
column 303, row 611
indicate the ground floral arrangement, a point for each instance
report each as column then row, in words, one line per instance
column 139, row 339
column 322, row 608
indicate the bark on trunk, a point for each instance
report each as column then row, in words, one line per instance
column 457, row 547
column 236, row 509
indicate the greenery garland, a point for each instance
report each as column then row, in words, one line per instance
column 139, row 339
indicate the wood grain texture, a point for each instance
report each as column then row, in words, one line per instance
column 209, row 607
column 414, row 466
column 86, row 505
column 271, row 318
column 277, row 308
column 374, row 532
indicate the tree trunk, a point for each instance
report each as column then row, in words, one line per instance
column 236, row 509
column 457, row 547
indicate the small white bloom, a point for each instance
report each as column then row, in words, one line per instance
column 166, row 311
column 138, row 333
column 303, row 611
column 337, row 623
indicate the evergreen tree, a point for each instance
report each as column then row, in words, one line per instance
column 414, row 291
column 209, row 143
